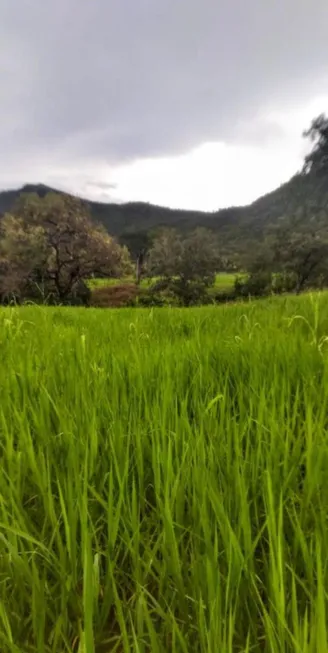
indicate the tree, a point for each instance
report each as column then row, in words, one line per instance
column 317, row 160
column 300, row 249
column 294, row 253
column 256, row 284
column 186, row 264
column 165, row 256
column 138, row 243
column 190, row 258
column 52, row 241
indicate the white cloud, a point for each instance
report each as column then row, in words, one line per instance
column 268, row 152
column 211, row 176
column 215, row 175
column 183, row 102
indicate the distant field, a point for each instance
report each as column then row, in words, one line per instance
column 100, row 282
column 223, row 281
column 164, row 479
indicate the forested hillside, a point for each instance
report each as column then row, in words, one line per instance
column 237, row 226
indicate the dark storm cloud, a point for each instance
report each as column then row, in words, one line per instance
column 112, row 80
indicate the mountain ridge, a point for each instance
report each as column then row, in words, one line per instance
column 236, row 225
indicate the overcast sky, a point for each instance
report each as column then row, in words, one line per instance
column 189, row 103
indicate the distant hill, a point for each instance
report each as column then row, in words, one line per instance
column 237, row 226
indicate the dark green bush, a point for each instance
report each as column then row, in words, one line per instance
column 284, row 282
column 257, row 284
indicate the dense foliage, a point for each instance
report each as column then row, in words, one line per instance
column 317, row 160
column 49, row 246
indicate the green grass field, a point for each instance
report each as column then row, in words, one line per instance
column 163, row 479
column 223, row 281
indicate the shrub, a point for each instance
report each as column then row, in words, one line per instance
column 190, row 293
column 157, row 296
column 114, row 296
column 175, row 292
column 284, row 282
column 146, row 299
column 225, row 296
column 45, row 293
column 80, row 295
column 257, row 284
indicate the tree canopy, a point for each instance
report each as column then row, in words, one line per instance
column 52, row 243
column 317, row 160
column 193, row 257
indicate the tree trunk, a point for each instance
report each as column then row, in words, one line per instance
column 299, row 285
column 138, row 272
column 139, row 264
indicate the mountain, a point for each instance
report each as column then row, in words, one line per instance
column 132, row 216
column 237, row 226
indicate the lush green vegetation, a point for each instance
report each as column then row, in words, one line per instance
column 109, row 292
column 164, row 479
column 50, row 245
column 223, row 281
column 238, row 227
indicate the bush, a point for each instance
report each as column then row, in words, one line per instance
column 146, row 299
column 175, row 292
column 80, row 295
column 114, row 296
column 225, row 296
column 158, row 294
column 257, row 284
column 40, row 292
column 190, row 293
column 284, row 282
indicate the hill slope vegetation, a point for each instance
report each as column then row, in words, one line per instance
column 237, row 226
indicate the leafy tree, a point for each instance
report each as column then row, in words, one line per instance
column 301, row 249
column 190, row 258
column 138, row 244
column 165, row 255
column 187, row 264
column 317, row 160
column 256, row 284
column 52, row 242
column 258, row 258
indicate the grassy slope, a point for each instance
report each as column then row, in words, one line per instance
column 164, row 479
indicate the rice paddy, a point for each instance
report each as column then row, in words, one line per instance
column 163, row 480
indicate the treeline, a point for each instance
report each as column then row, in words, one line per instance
column 50, row 247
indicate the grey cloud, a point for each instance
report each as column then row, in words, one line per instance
column 101, row 185
column 114, row 80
